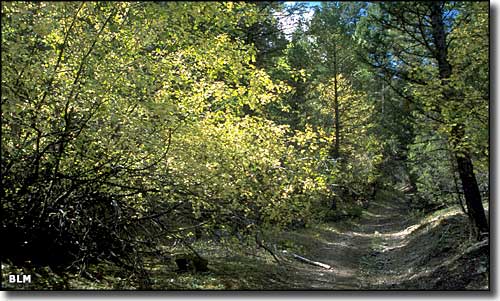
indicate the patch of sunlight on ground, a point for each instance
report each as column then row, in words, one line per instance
column 342, row 244
column 432, row 223
column 361, row 234
column 385, row 206
column 400, row 234
column 370, row 214
column 334, row 230
column 448, row 212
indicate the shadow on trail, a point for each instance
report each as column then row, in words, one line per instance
column 343, row 246
column 388, row 248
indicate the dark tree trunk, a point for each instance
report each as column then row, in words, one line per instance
column 469, row 184
column 462, row 156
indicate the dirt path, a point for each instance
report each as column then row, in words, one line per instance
column 353, row 250
column 385, row 248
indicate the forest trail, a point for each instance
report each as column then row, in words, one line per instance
column 354, row 252
column 390, row 248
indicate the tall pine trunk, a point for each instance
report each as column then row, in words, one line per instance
column 461, row 154
column 336, row 103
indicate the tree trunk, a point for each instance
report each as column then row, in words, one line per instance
column 462, row 156
column 469, row 184
column 336, row 104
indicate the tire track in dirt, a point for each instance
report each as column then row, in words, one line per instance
column 352, row 249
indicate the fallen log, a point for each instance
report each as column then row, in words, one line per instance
column 309, row 261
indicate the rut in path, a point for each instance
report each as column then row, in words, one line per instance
column 383, row 226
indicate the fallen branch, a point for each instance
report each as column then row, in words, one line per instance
column 311, row 262
column 261, row 244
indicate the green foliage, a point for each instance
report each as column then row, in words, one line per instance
column 96, row 110
column 400, row 41
column 109, row 120
column 133, row 128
